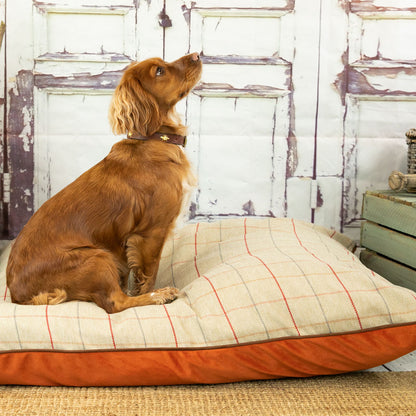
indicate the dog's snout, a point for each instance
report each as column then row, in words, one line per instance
column 195, row 56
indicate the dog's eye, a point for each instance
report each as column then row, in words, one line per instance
column 160, row 71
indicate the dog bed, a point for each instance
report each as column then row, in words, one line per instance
column 261, row 299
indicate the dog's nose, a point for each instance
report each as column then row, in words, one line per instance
column 195, row 56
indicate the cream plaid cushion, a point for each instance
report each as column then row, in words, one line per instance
column 244, row 282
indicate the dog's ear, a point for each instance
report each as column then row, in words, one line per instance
column 133, row 110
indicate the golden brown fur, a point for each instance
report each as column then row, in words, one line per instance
column 84, row 241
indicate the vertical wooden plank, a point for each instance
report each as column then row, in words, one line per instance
column 350, row 209
column 298, row 198
column 177, row 35
column 3, row 217
column 328, row 202
column 380, row 102
column 244, row 103
column 328, row 163
column 305, row 77
column 397, row 273
column 2, row 76
column 77, row 77
column 389, row 243
column 19, row 123
column 150, row 40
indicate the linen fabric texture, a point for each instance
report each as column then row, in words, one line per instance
column 260, row 299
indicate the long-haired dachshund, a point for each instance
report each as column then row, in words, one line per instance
column 83, row 243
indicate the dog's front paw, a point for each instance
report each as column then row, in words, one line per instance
column 164, row 295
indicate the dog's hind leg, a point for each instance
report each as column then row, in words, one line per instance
column 97, row 279
column 120, row 301
column 92, row 275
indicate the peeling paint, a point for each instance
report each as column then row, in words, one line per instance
column 20, row 143
column 248, row 208
column 344, row 4
column 366, row 6
column 358, row 84
column 164, row 19
column 186, row 14
column 107, row 80
column 192, row 210
column 292, row 155
column 221, row 89
column 374, row 75
column 319, row 198
column 362, row 80
column 237, row 59
column 341, row 81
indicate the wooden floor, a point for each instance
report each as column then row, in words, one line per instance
column 405, row 363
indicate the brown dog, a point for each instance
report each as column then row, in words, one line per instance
column 84, row 241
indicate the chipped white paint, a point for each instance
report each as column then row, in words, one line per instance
column 2, row 82
column 67, row 146
column 395, row 3
column 25, row 134
column 302, row 106
column 381, row 105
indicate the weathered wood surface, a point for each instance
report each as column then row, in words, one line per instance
column 2, row 31
column 397, row 273
column 303, row 104
column 390, row 243
column 391, row 209
column 405, row 363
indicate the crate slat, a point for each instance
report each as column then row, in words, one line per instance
column 391, row 209
column 390, row 243
column 396, row 273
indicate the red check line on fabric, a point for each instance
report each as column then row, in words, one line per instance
column 271, row 273
column 111, row 331
column 196, row 249
column 5, row 294
column 47, row 324
column 223, row 310
column 333, row 272
column 212, row 286
column 171, row 324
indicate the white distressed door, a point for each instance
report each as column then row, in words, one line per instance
column 258, row 138
column 64, row 60
column 302, row 107
column 380, row 96
column 239, row 117
column 79, row 52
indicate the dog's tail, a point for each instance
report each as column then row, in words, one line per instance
column 51, row 298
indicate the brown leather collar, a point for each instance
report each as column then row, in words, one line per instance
column 163, row 137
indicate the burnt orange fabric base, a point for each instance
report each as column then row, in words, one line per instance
column 301, row 357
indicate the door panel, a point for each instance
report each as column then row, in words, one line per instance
column 68, row 142
column 79, row 55
column 380, row 97
column 71, row 57
column 238, row 35
column 240, row 113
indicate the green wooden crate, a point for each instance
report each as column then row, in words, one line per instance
column 395, row 210
column 389, row 243
column 397, row 273
column 389, row 236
